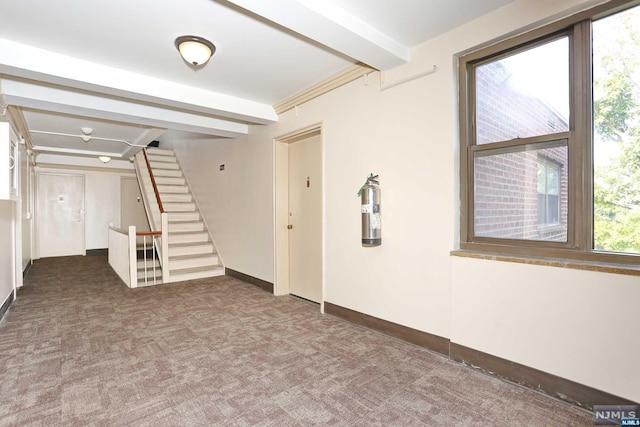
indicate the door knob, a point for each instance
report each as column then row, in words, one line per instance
column 289, row 227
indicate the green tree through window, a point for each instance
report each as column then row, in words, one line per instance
column 616, row 87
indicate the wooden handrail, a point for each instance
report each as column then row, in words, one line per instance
column 148, row 233
column 153, row 180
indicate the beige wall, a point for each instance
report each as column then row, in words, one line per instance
column 576, row 324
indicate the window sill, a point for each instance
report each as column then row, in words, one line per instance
column 629, row 270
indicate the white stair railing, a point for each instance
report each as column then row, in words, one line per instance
column 156, row 215
column 145, row 241
column 124, row 247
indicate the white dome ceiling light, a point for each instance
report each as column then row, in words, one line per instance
column 195, row 50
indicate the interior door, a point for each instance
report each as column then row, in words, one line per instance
column 131, row 206
column 60, row 213
column 305, row 218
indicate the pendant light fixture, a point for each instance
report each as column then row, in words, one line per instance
column 195, row 50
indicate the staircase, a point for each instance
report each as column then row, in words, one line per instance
column 191, row 251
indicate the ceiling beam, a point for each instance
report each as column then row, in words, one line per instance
column 144, row 139
column 333, row 27
column 32, row 63
column 33, row 95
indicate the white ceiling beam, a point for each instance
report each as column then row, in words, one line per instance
column 145, row 138
column 29, row 94
column 333, row 27
column 28, row 62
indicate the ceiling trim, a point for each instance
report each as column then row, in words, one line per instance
column 331, row 26
column 346, row 76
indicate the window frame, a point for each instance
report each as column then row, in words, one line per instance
column 579, row 244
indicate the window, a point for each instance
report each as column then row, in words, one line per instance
column 548, row 192
column 616, row 139
column 550, row 140
column 509, row 200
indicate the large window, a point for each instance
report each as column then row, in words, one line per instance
column 550, row 133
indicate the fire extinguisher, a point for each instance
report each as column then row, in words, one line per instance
column 370, row 208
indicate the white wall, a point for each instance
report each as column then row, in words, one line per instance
column 102, row 193
column 7, row 212
column 237, row 203
column 26, row 202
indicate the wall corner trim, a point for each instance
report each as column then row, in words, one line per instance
column 551, row 385
column 423, row 339
column 5, row 306
column 262, row 284
column 574, row 393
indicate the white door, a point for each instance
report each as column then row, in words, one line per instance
column 305, row 218
column 60, row 211
column 131, row 206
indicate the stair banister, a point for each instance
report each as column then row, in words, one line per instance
column 153, row 181
column 164, row 224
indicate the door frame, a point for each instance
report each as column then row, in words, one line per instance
column 281, row 206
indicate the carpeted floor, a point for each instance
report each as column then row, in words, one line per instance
column 79, row 348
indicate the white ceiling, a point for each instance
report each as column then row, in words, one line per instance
column 111, row 65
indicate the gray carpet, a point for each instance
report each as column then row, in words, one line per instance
column 79, row 348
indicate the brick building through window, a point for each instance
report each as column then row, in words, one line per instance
column 519, row 192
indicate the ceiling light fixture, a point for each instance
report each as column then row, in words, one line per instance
column 86, row 132
column 104, row 159
column 195, row 50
